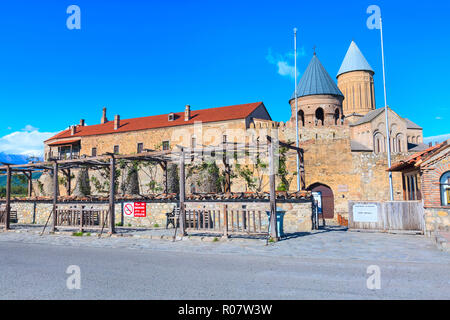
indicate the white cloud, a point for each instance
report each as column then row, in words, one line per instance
column 285, row 68
column 29, row 127
column 439, row 118
column 28, row 141
column 439, row 139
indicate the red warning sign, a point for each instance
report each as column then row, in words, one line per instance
column 139, row 209
column 135, row 209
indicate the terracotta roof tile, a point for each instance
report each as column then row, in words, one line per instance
column 161, row 121
column 417, row 157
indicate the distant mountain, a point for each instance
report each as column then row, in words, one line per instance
column 435, row 139
column 14, row 158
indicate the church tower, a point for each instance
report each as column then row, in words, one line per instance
column 319, row 98
column 355, row 80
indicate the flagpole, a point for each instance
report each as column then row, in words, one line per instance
column 296, row 109
column 388, row 134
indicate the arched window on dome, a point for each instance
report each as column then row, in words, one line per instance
column 301, row 117
column 320, row 117
column 337, row 115
column 445, row 189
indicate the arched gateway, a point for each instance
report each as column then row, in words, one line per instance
column 325, row 198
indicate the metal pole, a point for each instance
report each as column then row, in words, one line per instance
column 182, row 217
column 55, row 196
column 296, row 110
column 8, row 198
column 388, row 135
column 112, row 192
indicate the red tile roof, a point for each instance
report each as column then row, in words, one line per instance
column 418, row 157
column 235, row 112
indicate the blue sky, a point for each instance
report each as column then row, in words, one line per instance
column 142, row 58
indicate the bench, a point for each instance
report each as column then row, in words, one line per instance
column 172, row 216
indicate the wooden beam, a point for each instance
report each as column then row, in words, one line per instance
column 55, row 195
column 69, row 182
column 8, row 198
column 182, row 195
column 112, row 191
column 273, row 202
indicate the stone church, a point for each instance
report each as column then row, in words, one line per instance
column 341, row 130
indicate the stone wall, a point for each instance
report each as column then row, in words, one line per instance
column 296, row 219
column 437, row 219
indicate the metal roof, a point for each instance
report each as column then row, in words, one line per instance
column 354, row 61
column 356, row 146
column 316, row 81
column 368, row 117
column 411, row 125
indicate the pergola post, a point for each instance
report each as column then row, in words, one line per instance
column 8, row 197
column 302, row 169
column 29, row 176
column 182, row 194
column 55, row 195
column 112, row 191
column 69, row 182
column 273, row 201
column 166, row 185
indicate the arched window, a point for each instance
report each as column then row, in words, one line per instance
column 394, row 145
column 301, row 117
column 445, row 189
column 320, row 116
column 337, row 115
column 378, row 143
column 399, row 142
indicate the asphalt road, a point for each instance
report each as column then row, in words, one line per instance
column 38, row 271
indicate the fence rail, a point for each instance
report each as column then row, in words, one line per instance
column 225, row 221
column 81, row 217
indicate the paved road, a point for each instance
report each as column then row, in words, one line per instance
column 328, row 265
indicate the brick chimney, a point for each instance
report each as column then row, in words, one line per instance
column 73, row 130
column 116, row 122
column 104, row 119
column 187, row 113
column 82, row 123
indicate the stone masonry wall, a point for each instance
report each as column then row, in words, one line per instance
column 296, row 219
column 437, row 220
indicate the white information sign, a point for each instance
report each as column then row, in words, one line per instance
column 365, row 213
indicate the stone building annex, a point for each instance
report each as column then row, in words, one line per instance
column 341, row 131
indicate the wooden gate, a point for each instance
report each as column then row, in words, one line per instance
column 81, row 217
column 226, row 221
column 327, row 197
column 390, row 216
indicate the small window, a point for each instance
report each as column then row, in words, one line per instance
column 116, row 149
column 140, row 147
column 171, row 116
column 411, row 187
column 193, row 142
column 165, row 145
column 224, row 138
column 94, row 152
column 445, row 189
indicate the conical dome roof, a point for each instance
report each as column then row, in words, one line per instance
column 316, row 81
column 354, row 61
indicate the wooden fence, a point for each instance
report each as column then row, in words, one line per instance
column 225, row 221
column 12, row 217
column 387, row 216
column 81, row 217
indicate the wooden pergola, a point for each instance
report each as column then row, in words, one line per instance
column 161, row 157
